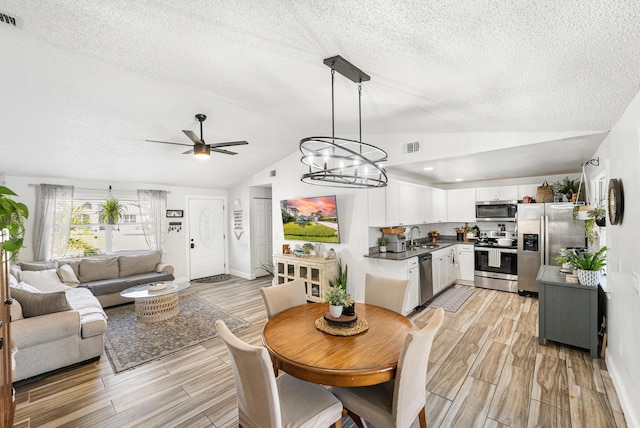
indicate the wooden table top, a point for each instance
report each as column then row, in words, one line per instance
column 305, row 352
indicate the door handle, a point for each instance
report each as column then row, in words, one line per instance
column 192, row 244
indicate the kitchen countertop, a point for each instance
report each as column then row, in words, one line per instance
column 418, row 250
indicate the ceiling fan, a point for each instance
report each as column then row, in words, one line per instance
column 200, row 148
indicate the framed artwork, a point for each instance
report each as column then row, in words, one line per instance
column 175, row 213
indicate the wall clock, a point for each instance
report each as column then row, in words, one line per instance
column 616, row 201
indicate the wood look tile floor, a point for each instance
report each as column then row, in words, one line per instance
column 486, row 370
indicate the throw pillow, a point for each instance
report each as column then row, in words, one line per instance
column 46, row 281
column 139, row 263
column 74, row 263
column 97, row 269
column 12, row 281
column 68, row 276
column 36, row 304
column 26, row 287
column 38, row 265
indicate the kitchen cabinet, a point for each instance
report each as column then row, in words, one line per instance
column 498, row 193
column 461, row 205
column 465, row 261
column 437, row 212
column 400, row 269
column 314, row 270
column 403, row 204
column 443, row 268
column 568, row 313
column 527, row 190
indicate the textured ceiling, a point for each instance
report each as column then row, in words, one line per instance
column 85, row 83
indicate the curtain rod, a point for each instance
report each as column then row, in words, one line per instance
column 96, row 189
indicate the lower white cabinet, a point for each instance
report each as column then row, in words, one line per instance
column 400, row 269
column 465, row 261
column 443, row 268
column 315, row 270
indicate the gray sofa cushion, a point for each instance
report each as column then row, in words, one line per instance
column 139, row 263
column 97, row 269
column 35, row 304
column 145, row 278
column 75, row 265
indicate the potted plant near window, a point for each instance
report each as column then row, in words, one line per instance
column 382, row 244
column 588, row 266
column 598, row 214
column 12, row 217
column 111, row 211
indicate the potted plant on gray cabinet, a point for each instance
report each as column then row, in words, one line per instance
column 588, row 266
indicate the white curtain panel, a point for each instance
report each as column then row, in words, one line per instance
column 153, row 206
column 52, row 222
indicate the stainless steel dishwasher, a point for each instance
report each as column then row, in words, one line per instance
column 426, row 278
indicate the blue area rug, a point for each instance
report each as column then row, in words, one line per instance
column 451, row 299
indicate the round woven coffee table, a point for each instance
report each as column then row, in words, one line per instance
column 155, row 305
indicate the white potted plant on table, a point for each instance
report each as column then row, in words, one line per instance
column 588, row 266
column 338, row 298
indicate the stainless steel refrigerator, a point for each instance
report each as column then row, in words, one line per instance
column 543, row 229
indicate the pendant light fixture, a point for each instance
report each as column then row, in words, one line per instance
column 341, row 162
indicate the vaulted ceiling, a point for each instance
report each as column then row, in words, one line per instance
column 85, row 83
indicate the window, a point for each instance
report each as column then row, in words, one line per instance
column 90, row 237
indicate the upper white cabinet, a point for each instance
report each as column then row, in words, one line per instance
column 461, row 205
column 402, row 204
column 501, row 193
column 527, row 190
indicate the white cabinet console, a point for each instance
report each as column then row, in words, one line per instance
column 315, row 270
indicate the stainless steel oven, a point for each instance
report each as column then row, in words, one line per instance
column 496, row 268
column 496, row 211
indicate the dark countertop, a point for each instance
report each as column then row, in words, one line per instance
column 423, row 247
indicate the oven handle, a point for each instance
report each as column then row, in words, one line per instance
column 502, row 250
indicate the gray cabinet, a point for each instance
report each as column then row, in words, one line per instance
column 568, row 313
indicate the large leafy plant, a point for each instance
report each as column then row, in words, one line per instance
column 12, row 217
column 337, row 296
column 588, row 261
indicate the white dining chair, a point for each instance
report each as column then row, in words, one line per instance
column 265, row 401
column 278, row 298
column 389, row 293
column 398, row 402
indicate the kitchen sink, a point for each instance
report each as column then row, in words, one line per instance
column 430, row 247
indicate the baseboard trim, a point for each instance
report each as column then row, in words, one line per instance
column 633, row 419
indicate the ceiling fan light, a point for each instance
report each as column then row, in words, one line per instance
column 201, row 151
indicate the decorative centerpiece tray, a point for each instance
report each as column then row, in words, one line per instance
column 343, row 321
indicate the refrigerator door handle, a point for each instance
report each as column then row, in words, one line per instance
column 546, row 239
column 542, row 249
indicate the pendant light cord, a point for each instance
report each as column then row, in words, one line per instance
column 333, row 126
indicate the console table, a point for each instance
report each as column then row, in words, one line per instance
column 568, row 313
column 314, row 270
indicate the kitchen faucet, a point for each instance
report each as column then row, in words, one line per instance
column 412, row 241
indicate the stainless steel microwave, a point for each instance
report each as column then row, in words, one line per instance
column 496, row 210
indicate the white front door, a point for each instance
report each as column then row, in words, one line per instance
column 261, row 231
column 206, row 237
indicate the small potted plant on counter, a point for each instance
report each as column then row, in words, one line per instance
column 433, row 234
column 588, row 266
column 382, row 243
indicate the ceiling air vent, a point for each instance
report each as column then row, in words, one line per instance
column 411, row 147
column 10, row 20
column 272, row 173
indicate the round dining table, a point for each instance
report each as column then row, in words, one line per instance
column 367, row 358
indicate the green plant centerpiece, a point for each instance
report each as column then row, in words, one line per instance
column 340, row 281
column 588, row 266
column 338, row 298
column 111, row 211
column 12, row 217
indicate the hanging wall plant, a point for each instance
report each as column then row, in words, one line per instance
column 12, row 217
column 111, row 211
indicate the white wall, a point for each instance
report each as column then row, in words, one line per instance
column 620, row 157
column 176, row 243
column 352, row 212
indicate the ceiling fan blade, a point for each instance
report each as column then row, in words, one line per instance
column 229, row 143
column 192, row 136
column 226, row 152
column 167, row 142
column 187, row 152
